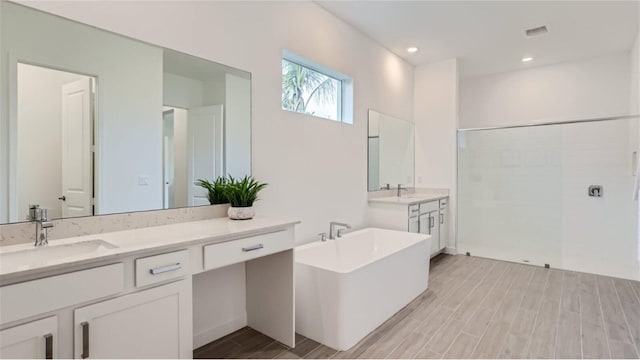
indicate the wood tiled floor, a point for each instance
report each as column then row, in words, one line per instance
column 481, row 308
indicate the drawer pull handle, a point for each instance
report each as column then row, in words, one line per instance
column 48, row 346
column 252, row 248
column 85, row 340
column 164, row 269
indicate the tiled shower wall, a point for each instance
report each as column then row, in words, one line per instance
column 523, row 196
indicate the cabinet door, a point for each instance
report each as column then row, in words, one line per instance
column 414, row 225
column 154, row 323
column 434, row 231
column 425, row 225
column 34, row 340
column 444, row 227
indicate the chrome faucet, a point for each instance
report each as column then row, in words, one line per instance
column 332, row 229
column 39, row 216
column 386, row 186
column 400, row 188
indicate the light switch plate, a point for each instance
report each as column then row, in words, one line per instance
column 143, row 180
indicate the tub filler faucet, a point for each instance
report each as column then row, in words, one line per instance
column 332, row 229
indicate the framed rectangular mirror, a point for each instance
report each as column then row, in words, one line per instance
column 95, row 123
column 390, row 152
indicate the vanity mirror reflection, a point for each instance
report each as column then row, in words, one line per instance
column 390, row 152
column 95, row 123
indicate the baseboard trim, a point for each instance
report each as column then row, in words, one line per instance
column 214, row 333
column 450, row 251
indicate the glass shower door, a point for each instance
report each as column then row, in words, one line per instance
column 523, row 195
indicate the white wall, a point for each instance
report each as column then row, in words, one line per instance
column 237, row 130
column 214, row 90
column 581, row 89
column 39, row 140
column 436, row 119
column 129, row 97
column 4, row 144
column 182, row 92
column 634, row 101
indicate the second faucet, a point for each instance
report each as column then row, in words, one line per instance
column 332, row 229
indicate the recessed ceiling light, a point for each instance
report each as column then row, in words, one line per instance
column 527, row 59
column 412, row 49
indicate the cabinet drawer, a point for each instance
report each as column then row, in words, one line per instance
column 158, row 268
column 428, row 207
column 414, row 210
column 235, row 251
column 34, row 297
column 443, row 203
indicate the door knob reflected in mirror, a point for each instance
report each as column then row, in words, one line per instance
column 63, row 198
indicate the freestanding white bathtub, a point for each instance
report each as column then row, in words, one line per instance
column 347, row 287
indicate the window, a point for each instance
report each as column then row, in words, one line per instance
column 312, row 89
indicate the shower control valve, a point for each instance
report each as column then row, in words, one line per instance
column 595, row 190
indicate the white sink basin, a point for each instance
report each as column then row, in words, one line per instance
column 38, row 256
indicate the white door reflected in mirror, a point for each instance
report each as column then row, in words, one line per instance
column 193, row 150
column 77, row 154
column 54, row 143
column 204, row 154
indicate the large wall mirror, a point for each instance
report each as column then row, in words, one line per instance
column 95, row 123
column 390, row 152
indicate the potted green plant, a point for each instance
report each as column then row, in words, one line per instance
column 242, row 193
column 215, row 190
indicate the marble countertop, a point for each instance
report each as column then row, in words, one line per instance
column 130, row 242
column 416, row 197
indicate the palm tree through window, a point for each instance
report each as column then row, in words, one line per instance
column 308, row 91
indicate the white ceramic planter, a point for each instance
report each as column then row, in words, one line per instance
column 241, row 213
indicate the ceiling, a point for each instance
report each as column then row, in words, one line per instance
column 488, row 36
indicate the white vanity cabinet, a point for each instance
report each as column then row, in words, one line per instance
column 153, row 323
column 426, row 217
column 44, row 298
column 33, row 340
column 140, row 304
